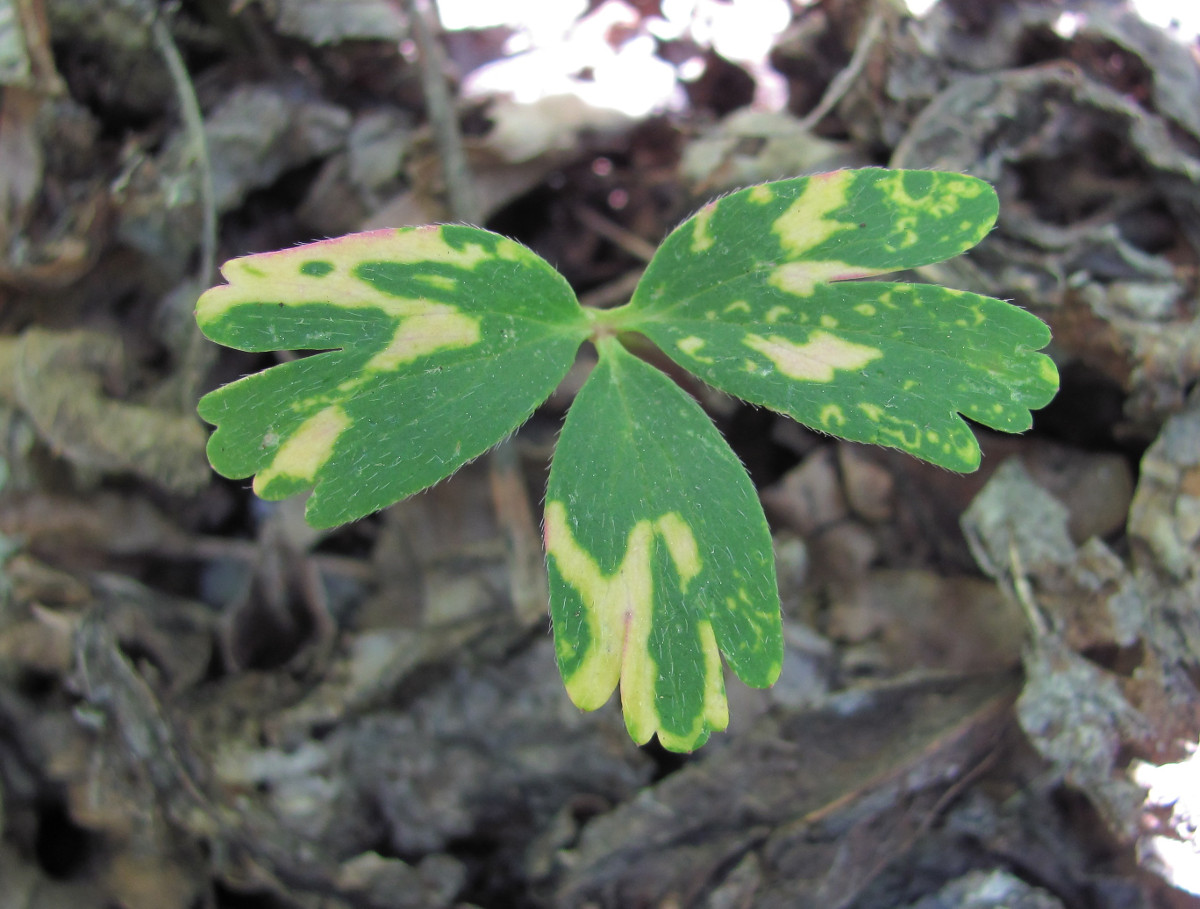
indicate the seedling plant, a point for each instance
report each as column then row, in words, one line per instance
column 439, row 341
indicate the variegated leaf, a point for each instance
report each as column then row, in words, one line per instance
column 438, row 342
column 741, row 294
column 659, row 556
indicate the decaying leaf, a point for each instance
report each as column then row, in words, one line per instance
column 165, row 771
column 780, row 792
column 1110, row 669
column 58, row 380
column 331, row 21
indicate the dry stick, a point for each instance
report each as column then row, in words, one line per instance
column 842, row 81
column 616, row 234
column 614, row 292
column 510, row 498
column 456, row 174
column 196, row 353
column 838, row 87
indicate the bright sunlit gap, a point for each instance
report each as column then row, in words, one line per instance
column 1173, row 792
column 607, row 59
column 554, row 52
column 1180, row 18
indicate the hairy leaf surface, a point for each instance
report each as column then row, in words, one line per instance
column 434, row 343
column 659, row 555
column 742, row 294
column 438, row 342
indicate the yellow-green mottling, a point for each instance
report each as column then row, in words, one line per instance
column 952, row 190
column 873, row 411
column 1047, row 371
column 701, row 239
column 802, row 278
column 831, row 417
column 305, row 451
column 659, row 557
column 442, row 282
column 676, row 533
column 808, row 221
column 410, row 327
column 620, row 608
column 692, row 346
column 289, row 278
column 825, row 344
column 816, row 360
column 656, row 566
column 761, row 194
column 425, row 328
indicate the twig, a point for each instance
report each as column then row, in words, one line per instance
column 195, row 352
column 527, row 571
column 842, row 81
column 193, row 122
column 615, row 233
column 456, row 174
column 614, row 292
column 1022, row 590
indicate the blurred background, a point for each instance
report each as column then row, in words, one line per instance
column 989, row 696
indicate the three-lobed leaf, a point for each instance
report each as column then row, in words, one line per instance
column 659, row 557
column 437, row 342
column 743, row 295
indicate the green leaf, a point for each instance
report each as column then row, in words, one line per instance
column 439, row 341
column 740, row 294
column 659, row 557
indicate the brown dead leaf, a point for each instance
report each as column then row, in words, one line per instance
column 783, row 791
column 332, row 21
column 30, row 31
column 26, row 886
column 104, row 522
column 1164, row 529
column 42, row 643
column 58, row 380
column 33, row 581
column 498, row 181
column 442, row 558
column 1078, row 718
column 151, row 878
column 43, row 243
column 916, row 619
column 41, row 248
column 1112, row 667
column 753, row 146
column 809, row 497
column 870, row 487
column 20, row 161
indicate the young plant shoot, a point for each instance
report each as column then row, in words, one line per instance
column 440, row 341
